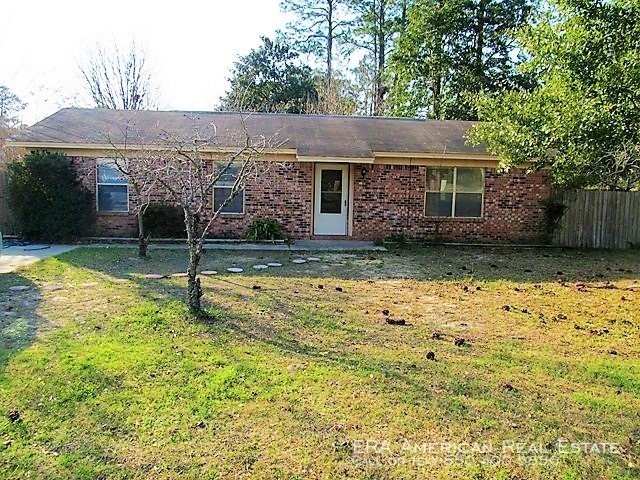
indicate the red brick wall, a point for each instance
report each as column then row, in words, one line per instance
column 283, row 191
column 390, row 199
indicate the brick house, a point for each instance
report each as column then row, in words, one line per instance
column 339, row 177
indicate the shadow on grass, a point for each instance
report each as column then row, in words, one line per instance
column 301, row 342
column 442, row 387
column 19, row 321
column 431, row 263
column 421, row 264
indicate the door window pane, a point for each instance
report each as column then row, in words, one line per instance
column 331, row 191
column 330, row 202
column 112, row 198
column 331, row 181
column 439, row 204
column 468, row 205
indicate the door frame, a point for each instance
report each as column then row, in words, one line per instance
column 346, row 167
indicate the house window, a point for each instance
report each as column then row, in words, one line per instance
column 454, row 192
column 223, row 188
column 112, row 188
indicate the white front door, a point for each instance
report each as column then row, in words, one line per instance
column 331, row 199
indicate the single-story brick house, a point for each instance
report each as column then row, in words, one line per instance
column 336, row 176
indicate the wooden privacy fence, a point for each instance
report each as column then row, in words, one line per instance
column 599, row 219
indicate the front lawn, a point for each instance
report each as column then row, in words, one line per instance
column 103, row 375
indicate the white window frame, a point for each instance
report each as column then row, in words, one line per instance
column 454, row 193
column 227, row 187
column 108, row 161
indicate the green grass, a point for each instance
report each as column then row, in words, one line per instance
column 112, row 379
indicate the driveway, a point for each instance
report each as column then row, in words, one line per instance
column 14, row 257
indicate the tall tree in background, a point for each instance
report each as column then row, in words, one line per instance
column 10, row 108
column 365, row 84
column 119, row 79
column 375, row 25
column 451, row 50
column 423, row 59
column 268, row 79
column 583, row 119
column 321, row 28
column 340, row 97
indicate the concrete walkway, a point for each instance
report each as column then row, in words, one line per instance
column 299, row 246
column 14, row 257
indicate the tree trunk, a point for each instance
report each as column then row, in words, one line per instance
column 437, row 98
column 330, row 45
column 479, row 41
column 142, row 239
column 194, row 291
column 381, row 53
column 403, row 16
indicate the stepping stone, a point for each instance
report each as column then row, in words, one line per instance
column 90, row 284
column 235, row 270
column 313, row 259
column 260, row 267
column 121, row 280
column 154, row 276
column 52, row 288
column 179, row 275
column 299, row 260
column 274, row 264
column 19, row 288
column 208, row 272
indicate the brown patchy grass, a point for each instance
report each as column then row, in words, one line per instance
column 113, row 380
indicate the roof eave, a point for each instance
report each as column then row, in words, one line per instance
column 432, row 156
column 438, row 155
column 131, row 148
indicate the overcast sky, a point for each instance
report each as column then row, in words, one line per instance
column 191, row 45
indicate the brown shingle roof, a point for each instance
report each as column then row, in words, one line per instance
column 322, row 136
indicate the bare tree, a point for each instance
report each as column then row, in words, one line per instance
column 10, row 108
column 136, row 165
column 187, row 166
column 119, row 79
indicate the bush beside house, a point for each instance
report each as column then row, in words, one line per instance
column 163, row 220
column 47, row 199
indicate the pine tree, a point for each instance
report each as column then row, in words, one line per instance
column 322, row 28
column 451, row 50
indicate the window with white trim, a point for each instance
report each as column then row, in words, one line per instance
column 112, row 188
column 223, row 188
column 454, row 192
